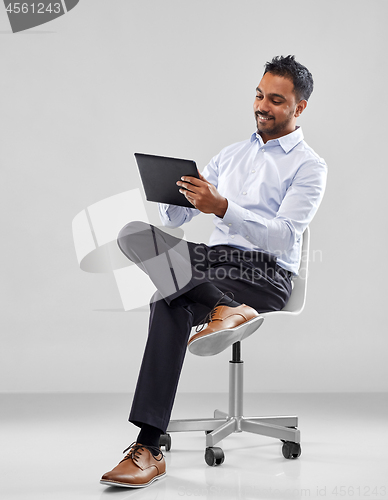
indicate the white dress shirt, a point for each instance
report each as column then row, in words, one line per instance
column 273, row 192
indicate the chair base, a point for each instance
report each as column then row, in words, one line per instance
column 223, row 424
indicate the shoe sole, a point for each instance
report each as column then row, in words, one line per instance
column 216, row 342
column 128, row 485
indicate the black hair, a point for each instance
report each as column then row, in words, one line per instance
column 294, row 71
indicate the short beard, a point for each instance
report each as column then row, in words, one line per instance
column 278, row 128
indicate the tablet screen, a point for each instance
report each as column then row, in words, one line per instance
column 159, row 175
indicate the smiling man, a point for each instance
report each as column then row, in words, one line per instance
column 263, row 193
column 277, row 106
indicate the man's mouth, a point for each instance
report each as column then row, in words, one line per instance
column 262, row 117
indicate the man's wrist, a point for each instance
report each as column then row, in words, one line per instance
column 221, row 210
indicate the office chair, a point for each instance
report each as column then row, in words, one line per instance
column 223, row 424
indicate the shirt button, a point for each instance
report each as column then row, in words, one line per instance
column 263, row 150
column 232, row 236
column 253, row 171
column 244, row 192
column 229, row 224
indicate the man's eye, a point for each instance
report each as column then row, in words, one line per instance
column 259, row 97
column 276, row 102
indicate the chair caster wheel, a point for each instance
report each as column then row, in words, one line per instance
column 291, row 450
column 165, row 440
column 214, row 456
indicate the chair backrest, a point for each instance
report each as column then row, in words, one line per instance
column 297, row 300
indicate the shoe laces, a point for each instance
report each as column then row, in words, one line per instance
column 209, row 317
column 135, row 449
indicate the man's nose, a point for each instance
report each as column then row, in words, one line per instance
column 264, row 105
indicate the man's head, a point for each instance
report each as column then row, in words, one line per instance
column 281, row 97
column 299, row 75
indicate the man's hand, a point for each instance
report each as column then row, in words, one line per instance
column 203, row 195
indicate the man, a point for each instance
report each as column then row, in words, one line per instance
column 263, row 193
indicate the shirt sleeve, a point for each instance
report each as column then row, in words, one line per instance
column 278, row 235
column 174, row 215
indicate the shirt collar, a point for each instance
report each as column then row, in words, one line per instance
column 287, row 142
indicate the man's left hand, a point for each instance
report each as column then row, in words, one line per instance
column 203, row 195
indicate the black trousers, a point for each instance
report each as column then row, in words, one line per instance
column 176, row 266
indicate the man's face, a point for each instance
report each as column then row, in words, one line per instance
column 275, row 107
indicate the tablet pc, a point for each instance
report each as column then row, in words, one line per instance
column 159, row 175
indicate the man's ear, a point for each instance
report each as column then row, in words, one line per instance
column 300, row 107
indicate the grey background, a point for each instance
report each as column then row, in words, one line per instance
column 81, row 94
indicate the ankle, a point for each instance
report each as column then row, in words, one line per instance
column 227, row 301
column 149, row 436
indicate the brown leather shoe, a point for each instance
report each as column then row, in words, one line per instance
column 139, row 468
column 227, row 325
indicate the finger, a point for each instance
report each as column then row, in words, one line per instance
column 192, row 201
column 192, row 180
column 186, row 187
column 188, row 197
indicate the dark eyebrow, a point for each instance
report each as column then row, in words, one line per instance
column 272, row 95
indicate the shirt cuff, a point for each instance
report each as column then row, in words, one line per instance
column 239, row 219
column 163, row 211
column 234, row 215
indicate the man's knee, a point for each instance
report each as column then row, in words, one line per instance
column 156, row 297
column 132, row 228
column 128, row 237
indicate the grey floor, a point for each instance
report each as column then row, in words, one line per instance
column 57, row 447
